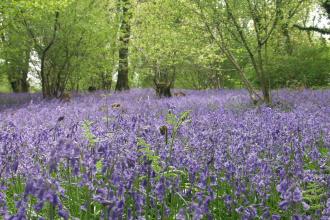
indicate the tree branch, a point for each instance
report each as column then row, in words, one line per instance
column 54, row 33
column 276, row 19
column 36, row 44
column 315, row 29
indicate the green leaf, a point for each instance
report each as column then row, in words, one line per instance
column 99, row 165
column 171, row 118
column 185, row 115
column 88, row 133
column 324, row 151
column 142, row 142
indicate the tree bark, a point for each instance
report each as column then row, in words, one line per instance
column 24, row 83
column 264, row 81
column 125, row 32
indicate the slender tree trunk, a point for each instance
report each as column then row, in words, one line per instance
column 264, row 81
column 286, row 34
column 14, row 86
column 20, row 84
column 125, row 32
column 24, row 83
column 253, row 94
column 43, row 77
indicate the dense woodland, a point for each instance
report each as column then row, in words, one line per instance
column 71, row 45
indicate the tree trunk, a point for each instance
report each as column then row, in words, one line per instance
column 125, row 32
column 264, row 81
column 24, row 72
column 14, row 86
column 122, row 80
column 253, row 94
column 286, row 34
column 163, row 82
column 24, row 83
column 20, row 84
column 19, row 72
column 44, row 84
column 163, row 89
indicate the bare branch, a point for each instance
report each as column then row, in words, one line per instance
column 277, row 16
column 315, row 29
column 54, row 32
column 295, row 9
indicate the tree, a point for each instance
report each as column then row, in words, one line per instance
column 43, row 48
column 161, row 43
column 325, row 4
column 286, row 15
column 124, row 39
column 265, row 17
column 15, row 48
column 210, row 13
column 66, row 36
column 16, row 56
column 169, row 49
column 247, row 27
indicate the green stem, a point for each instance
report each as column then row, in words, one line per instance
column 51, row 212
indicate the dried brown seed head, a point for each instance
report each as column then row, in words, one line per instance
column 115, row 105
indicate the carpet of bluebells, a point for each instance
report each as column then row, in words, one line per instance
column 209, row 155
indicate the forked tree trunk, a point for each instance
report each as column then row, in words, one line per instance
column 163, row 89
column 162, row 81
